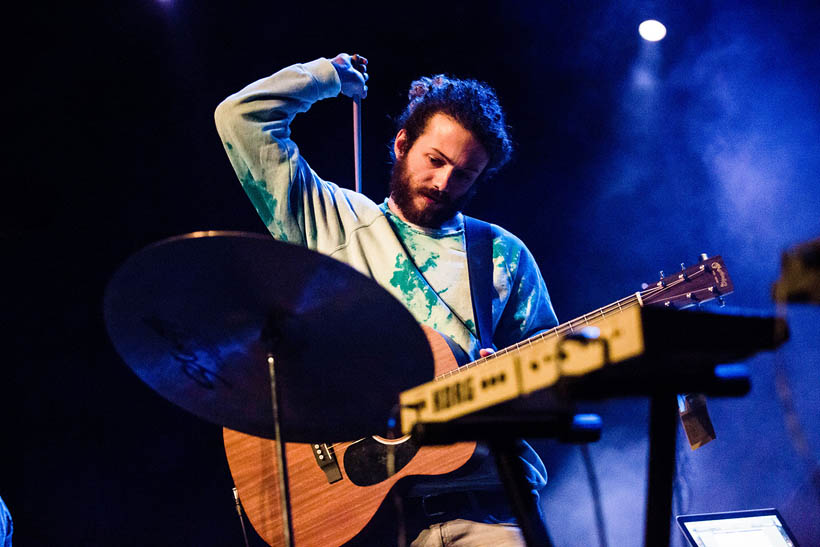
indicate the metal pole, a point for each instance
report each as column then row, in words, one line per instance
column 284, row 495
column 357, row 141
column 663, row 428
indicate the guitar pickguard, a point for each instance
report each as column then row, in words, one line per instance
column 365, row 462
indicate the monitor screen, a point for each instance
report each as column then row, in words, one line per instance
column 757, row 528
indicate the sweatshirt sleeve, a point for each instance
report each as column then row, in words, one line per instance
column 254, row 126
column 527, row 309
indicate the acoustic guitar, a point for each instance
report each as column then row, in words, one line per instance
column 335, row 490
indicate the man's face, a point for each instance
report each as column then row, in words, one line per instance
column 433, row 180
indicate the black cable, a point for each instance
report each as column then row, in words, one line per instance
column 595, row 489
column 785, row 395
column 683, row 490
column 239, row 512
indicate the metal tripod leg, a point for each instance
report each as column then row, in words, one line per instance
column 663, row 428
column 523, row 501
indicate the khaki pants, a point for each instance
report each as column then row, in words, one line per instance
column 466, row 533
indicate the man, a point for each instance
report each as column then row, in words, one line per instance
column 451, row 138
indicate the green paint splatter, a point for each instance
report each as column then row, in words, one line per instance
column 406, row 279
column 228, row 145
column 498, row 248
column 503, row 258
column 264, row 203
column 429, row 263
column 470, row 325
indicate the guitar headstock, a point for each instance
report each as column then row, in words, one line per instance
column 705, row 281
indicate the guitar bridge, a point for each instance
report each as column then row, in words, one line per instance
column 327, row 462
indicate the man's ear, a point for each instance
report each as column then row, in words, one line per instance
column 400, row 143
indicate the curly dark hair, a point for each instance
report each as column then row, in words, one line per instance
column 471, row 103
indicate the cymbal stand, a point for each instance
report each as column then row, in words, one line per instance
column 284, row 494
column 269, row 336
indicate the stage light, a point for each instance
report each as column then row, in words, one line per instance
column 652, row 30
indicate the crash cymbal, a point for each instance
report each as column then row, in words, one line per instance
column 187, row 314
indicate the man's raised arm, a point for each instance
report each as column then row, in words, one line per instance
column 254, row 126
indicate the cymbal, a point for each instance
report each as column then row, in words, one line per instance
column 191, row 316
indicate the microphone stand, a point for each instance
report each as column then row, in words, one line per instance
column 357, row 142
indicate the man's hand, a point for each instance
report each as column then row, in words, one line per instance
column 352, row 72
column 484, row 352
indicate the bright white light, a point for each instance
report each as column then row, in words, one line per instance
column 651, row 30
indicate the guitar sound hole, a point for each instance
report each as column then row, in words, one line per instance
column 366, row 461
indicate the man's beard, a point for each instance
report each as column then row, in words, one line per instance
column 430, row 217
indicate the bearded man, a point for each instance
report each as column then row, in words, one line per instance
column 451, row 138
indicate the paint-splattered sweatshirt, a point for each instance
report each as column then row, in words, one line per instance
column 426, row 269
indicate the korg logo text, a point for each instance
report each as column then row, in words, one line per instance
column 452, row 395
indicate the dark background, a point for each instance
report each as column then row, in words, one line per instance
column 631, row 157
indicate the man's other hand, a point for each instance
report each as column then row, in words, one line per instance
column 352, row 72
column 484, row 352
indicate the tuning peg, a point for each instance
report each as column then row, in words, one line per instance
column 721, row 301
column 683, row 270
column 704, row 257
column 661, row 283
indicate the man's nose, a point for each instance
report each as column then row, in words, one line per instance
column 443, row 177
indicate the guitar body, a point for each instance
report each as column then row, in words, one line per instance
column 330, row 510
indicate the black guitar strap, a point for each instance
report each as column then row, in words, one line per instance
column 479, row 243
